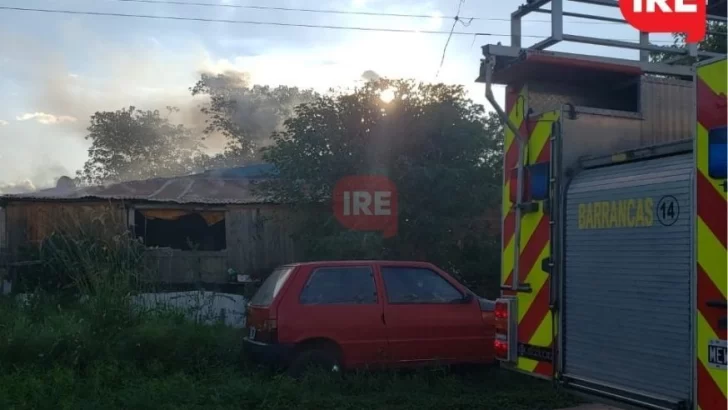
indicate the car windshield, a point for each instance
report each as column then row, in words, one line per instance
column 270, row 288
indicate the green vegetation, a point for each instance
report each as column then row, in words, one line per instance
column 69, row 356
column 113, row 385
column 715, row 41
column 44, row 335
column 441, row 150
column 73, row 357
column 79, row 343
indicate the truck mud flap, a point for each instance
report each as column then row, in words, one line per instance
column 621, row 394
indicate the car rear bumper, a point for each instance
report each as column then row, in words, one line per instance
column 273, row 354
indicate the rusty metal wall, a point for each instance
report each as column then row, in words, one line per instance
column 175, row 266
column 28, row 223
column 257, row 241
column 258, row 238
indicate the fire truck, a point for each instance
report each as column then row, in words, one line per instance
column 614, row 211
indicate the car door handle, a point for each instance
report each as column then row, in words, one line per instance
column 383, row 321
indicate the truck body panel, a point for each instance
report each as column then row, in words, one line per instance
column 569, row 132
column 627, row 277
column 622, row 217
column 710, row 241
column 630, row 350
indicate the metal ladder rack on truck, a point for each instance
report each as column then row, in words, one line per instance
column 614, row 215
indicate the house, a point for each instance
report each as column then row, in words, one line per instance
column 196, row 228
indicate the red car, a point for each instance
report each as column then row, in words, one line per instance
column 355, row 314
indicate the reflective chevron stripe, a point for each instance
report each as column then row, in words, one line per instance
column 515, row 102
column 711, row 240
column 534, row 316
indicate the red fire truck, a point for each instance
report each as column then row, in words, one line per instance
column 614, row 214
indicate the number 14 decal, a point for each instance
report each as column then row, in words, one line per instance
column 668, row 210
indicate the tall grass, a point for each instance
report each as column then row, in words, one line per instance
column 74, row 336
column 95, row 254
column 112, row 385
column 80, row 308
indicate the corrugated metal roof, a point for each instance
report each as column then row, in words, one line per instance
column 227, row 186
column 251, row 171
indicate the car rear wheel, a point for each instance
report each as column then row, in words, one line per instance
column 315, row 359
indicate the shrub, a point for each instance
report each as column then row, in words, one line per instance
column 178, row 344
column 95, row 257
column 77, row 336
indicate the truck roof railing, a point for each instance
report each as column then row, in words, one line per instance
column 672, row 66
column 557, row 28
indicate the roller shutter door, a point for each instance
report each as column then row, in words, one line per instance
column 627, row 279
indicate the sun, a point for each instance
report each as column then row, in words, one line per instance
column 387, row 95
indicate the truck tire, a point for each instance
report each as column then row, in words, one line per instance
column 314, row 359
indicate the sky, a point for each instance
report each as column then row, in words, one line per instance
column 58, row 69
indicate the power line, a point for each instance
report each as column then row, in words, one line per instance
column 444, row 50
column 262, row 23
column 335, row 11
column 302, row 10
column 254, row 22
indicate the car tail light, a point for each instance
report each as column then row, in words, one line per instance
column 270, row 325
column 501, row 310
column 505, row 330
column 266, row 332
column 501, row 347
column 270, row 331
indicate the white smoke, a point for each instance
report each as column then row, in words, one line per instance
column 146, row 73
column 142, row 74
column 257, row 111
column 149, row 77
column 46, row 119
column 41, row 178
column 370, row 75
column 19, row 187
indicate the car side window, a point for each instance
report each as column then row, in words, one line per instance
column 417, row 285
column 340, row 285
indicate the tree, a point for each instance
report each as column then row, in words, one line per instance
column 246, row 115
column 440, row 149
column 715, row 41
column 131, row 144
